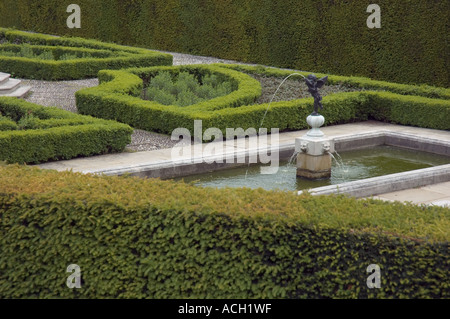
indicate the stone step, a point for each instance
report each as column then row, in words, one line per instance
column 9, row 86
column 20, row 92
column 4, row 77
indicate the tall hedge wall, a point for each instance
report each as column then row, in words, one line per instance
column 317, row 35
column 136, row 238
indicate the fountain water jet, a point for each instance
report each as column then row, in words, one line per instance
column 268, row 106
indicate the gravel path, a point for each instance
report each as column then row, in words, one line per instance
column 62, row 94
column 57, row 93
column 184, row 59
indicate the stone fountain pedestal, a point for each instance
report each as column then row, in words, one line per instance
column 314, row 151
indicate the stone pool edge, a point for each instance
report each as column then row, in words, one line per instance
column 160, row 164
column 387, row 183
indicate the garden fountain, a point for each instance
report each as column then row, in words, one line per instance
column 314, row 150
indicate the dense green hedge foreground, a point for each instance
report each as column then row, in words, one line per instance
column 322, row 35
column 31, row 133
column 118, row 98
column 100, row 56
column 136, row 238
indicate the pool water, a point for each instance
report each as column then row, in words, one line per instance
column 347, row 166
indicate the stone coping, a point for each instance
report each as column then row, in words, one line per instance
column 160, row 163
column 387, row 183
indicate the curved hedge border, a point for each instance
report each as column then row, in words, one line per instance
column 58, row 134
column 359, row 82
column 60, row 50
column 136, row 238
column 110, row 56
column 112, row 100
column 118, row 98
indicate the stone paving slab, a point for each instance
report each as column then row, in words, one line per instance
column 437, row 194
column 443, row 188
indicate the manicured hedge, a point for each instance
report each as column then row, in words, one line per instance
column 321, row 35
column 136, row 238
column 353, row 81
column 104, row 56
column 410, row 110
column 117, row 98
column 7, row 124
column 55, row 134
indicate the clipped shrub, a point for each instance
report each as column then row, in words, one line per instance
column 410, row 110
column 117, row 97
column 136, row 238
column 352, row 81
column 45, row 57
column 6, row 124
column 45, row 53
column 35, row 134
column 26, row 51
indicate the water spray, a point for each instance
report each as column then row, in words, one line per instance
column 268, row 106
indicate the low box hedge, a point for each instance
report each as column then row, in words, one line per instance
column 105, row 56
column 54, row 134
column 7, row 124
column 358, row 82
column 117, row 97
column 137, row 238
